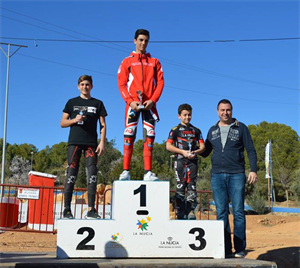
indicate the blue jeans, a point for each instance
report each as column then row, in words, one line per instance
column 228, row 187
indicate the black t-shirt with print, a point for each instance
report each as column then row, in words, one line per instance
column 92, row 109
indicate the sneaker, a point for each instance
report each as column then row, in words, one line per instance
column 191, row 216
column 92, row 214
column 67, row 214
column 229, row 256
column 150, row 176
column 125, row 175
column 239, row 254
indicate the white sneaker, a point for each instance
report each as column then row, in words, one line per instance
column 240, row 254
column 150, row 176
column 125, row 175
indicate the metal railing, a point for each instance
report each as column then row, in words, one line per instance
column 39, row 215
column 203, row 210
column 39, row 212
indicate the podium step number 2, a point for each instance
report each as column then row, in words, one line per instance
column 140, row 228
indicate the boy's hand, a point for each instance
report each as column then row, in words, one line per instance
column 148, row 104
column 188, row 154
column 191, row 155
column 79, row 118
column 134, row 105
column 100, row 149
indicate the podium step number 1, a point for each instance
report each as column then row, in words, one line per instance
column 140, row 228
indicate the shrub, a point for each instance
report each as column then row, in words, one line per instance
column 295, row 188
column 257, row 202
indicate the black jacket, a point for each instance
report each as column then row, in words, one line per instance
column 231, row 158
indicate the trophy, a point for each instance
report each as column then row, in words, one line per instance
column 139, row 93
column 190, row 141
column 81, row 112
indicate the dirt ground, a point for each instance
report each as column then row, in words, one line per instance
column 271, row 237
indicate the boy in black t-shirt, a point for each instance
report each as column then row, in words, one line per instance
column 81, row 114
column 186, row 142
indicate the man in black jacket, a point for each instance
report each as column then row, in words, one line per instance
column 228, row 138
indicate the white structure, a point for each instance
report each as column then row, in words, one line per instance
column 140, row 228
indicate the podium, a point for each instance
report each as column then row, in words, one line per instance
column 140, row 228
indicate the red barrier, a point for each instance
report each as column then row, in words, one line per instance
column 41, row 210
column 9, row 210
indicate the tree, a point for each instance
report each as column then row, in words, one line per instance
column 295, row 187
column 285, row 153
column 107, row 162
column 19, row 168
column 58, row 155
column 42, row 160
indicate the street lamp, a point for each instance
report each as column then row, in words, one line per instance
column 31, row 160
column 8, row 55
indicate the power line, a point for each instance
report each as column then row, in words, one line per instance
column 43, row 28
column 231, row 97
column 67, row 65
column 197, row 69
column 171, row 62
column 177, row 88
column 57, row 26
column 152, row 41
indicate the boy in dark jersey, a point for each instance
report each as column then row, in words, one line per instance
column 81, row 114
column 186, row 142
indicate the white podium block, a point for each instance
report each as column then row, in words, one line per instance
column 140, row 228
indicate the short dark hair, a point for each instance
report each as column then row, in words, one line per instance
column 225, row 101
column 85, row 77
column 141, row 31
column 184, row 106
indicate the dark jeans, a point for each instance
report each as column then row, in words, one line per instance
column 231, row 187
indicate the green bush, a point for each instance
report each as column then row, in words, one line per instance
column 295, row 188
column 257, row 202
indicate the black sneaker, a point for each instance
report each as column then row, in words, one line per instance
column 92, row 214
column 67, row 214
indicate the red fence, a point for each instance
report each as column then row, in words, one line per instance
column 37, row 208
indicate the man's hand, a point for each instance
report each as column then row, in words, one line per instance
column 148, row 104
column 252, row 178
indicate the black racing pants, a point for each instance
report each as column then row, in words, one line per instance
column 90, row 155
column 186, row 177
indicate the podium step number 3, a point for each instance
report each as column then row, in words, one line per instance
column 140, row 228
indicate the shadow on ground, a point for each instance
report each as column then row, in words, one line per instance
column 284, row 257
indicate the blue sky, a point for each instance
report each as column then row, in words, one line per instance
column 261, row 78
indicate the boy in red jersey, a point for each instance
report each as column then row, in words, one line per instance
column 141, row 82
column 186, row 142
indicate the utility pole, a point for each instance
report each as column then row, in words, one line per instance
column 271, row 175
column 8, row 56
